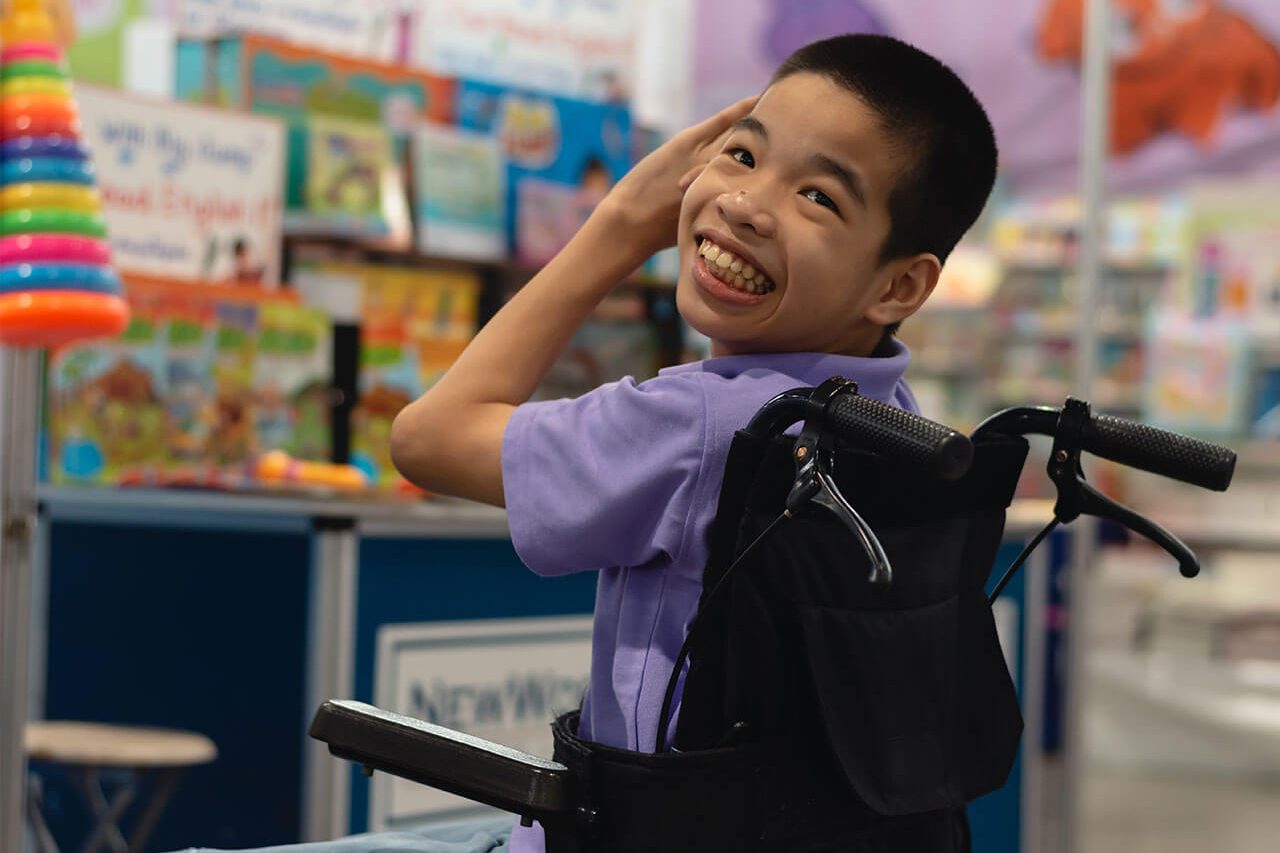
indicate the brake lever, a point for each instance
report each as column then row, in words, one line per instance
column 814, row 457
column 1077, row 497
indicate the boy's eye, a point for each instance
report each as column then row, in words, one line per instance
column 743, row 156
column 819, row 197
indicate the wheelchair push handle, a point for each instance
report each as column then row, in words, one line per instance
column 1169, row 454
column 869, row 424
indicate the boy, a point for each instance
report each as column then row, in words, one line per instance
column 810, row 222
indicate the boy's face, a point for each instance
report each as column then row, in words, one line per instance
column 798, row 196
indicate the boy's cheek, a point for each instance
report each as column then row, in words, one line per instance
column 700, row 192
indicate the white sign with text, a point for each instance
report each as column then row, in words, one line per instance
column 188, row 192
column 576, row 48
column 368, row 29
column 503, row 680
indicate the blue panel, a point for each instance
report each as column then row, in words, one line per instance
column 198, row 630
column 996, row 819
column 413, row 580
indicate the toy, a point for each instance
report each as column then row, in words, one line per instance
column 277, row 466
column 47, row 297
column 56, row 282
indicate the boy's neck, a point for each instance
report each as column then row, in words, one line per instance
column 882, row 348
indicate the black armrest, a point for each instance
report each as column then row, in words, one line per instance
column 461, row 764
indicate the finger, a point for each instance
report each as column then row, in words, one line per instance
column 689, row 177
column 723, row 120
column 710, row 147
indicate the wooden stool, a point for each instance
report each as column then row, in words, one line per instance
column 89, row 748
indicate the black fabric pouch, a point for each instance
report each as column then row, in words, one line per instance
column 905, row 686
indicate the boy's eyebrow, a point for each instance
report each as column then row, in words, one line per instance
column 752, row 124
column 849, row 178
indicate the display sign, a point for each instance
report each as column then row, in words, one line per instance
column 188, row 192
column 366, row 29
column 576, row 48
column 503, row 680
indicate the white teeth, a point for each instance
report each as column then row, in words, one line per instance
column 733, row 271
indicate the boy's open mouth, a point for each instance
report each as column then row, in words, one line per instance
column 732, row 270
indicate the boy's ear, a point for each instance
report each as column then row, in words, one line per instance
column 913, row 280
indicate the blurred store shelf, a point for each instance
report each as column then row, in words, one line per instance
column 373, row 516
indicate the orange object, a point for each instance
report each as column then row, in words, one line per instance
column 1181, row 68
column 38, row 115
column 53, row 317
column 28, row 21
column 279, row 467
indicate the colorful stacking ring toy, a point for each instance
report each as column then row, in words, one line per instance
column 38, row 115
column 64, row 147
column 54, row 317
column 20, row 277
column 56, row 280
column 33, row 68
column 35, row 86
column 28, row 221
column 30, row 50
column 46, row 169
column 42, row 248
column 50, row 196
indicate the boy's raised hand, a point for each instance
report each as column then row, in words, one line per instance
column 647, row 199
column 450, row 439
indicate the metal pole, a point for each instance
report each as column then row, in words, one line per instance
column 19, row 414
column 1094, row 146
column 330, row 672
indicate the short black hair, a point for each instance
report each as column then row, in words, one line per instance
column 941, row 130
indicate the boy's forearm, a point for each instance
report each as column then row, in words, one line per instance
column 439, row 440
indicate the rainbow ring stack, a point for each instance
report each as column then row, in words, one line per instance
column 56, row 279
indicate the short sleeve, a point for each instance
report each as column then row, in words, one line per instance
column 605, row 479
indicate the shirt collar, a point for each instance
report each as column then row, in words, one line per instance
column 876, row 375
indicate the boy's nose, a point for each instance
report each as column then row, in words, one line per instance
column 741, row 208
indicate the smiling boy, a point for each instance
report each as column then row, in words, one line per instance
column 810, row 222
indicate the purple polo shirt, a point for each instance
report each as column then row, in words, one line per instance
column 624, row 480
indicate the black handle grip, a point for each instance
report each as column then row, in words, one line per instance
column 1160, row 451
column 872, row 425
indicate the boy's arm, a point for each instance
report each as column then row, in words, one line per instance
column 449, row 440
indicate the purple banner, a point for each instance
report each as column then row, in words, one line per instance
column 1196, row 85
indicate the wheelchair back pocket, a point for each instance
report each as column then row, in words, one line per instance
column 918, row 708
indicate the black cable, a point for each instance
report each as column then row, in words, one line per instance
column 669, row 697
column 1017, row 564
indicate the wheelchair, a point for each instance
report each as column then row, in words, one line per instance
column 845, row 687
